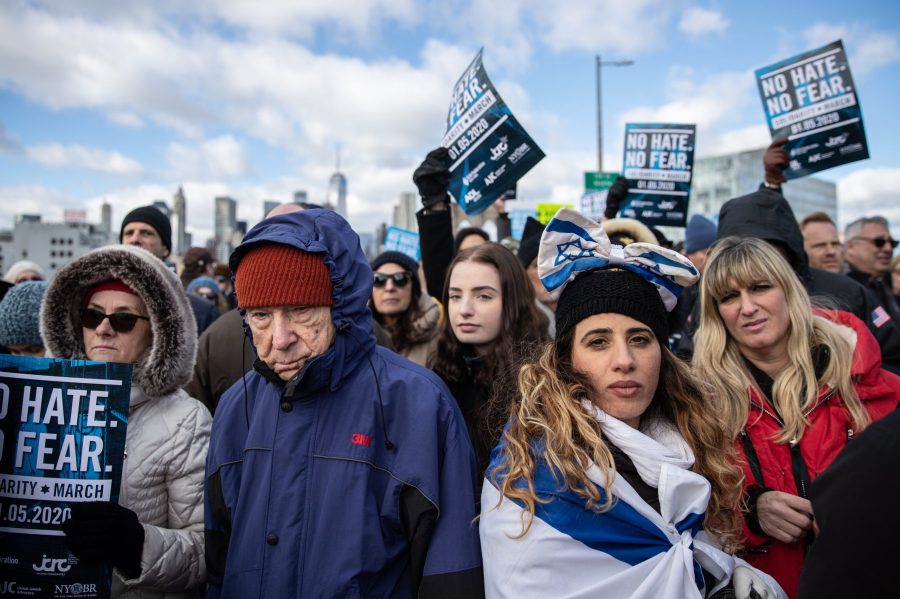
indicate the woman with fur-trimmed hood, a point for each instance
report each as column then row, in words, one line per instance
column 121, row 304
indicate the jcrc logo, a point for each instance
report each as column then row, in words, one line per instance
column 499, row 150
column 837, row 140
column 52, row 566
column 74, row 589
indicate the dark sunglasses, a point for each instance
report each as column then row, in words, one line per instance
column 121, row 322
column 879, row 242
column 400, row 279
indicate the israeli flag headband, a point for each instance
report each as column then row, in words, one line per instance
column 573, row 243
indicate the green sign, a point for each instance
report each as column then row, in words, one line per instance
column 599, row 181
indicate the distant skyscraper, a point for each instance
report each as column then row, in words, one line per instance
column 179, row 211
column 337, row 190
column 301, row 197
column 106, row 216
column 405, row 211
column 226, row 223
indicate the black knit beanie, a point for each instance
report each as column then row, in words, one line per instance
column 154, row 217
column 613, row 290
column 407, row 262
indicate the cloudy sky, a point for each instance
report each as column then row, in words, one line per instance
column 124, row 101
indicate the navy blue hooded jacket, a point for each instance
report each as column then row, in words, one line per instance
column 356, row 478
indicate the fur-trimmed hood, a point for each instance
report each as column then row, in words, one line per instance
column 169, row 362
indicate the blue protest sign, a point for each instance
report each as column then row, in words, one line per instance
column 659, row 160
column 811, row 99
column 489, row 148
column 402, row 240
column 62, row 432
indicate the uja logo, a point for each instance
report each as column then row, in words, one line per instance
column 51, row 565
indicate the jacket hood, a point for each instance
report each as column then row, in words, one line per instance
column 169, row 362
column 326, row 232
column 767, row 215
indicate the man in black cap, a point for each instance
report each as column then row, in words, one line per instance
column 149, row 228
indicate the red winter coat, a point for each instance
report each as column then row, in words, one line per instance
column 830, row 426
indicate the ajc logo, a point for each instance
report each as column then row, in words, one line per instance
column 51, row 565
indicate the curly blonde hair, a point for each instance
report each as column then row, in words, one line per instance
column 744, row 262
column 549, row 410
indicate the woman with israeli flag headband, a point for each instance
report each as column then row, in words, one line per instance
column 613, row 478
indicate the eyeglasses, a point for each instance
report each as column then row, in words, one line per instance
column 121, row 322
column 400, row 279
column 879, row 242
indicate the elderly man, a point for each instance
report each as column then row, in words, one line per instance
column 821, row 242
column 150, row 229
column 870, row 248
column 336, row 468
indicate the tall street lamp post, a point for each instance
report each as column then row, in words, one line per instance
column 599, row 66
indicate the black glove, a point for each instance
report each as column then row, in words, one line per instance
column 433, row 177
column 775, row 160
column 106, row 531
column 617, row 192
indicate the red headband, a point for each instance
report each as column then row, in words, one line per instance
column 113, row 285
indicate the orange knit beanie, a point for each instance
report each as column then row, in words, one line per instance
column 281, row 275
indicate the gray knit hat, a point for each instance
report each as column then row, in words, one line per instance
column 20, row 312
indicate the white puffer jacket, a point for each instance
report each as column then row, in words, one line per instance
column 168, row 431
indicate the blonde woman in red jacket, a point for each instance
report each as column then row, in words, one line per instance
column 795, row 385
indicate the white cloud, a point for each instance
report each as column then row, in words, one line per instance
column 222, row 156
column 697, row 21
column 75, row 156
column 609, row 26
column 867, row 50
column 36, row 199
column 126, row 119
column 867, row 192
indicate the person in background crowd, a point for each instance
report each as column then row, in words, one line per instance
column 412, row 319
column 492, row 323
column 895, row 276
column 613, row 478
column 336, row 468
column 699, row 234
column 821, row 242
column 855, row 503
column 20, row 310
column 208, row 289
column 222, row 274
column 766, row 215
column 869, row 250
column 469, row 237
column 24, row 270
column 527, row 254
column 149, row 228
column 122, row 304
column 197, row 262
column 793, row 386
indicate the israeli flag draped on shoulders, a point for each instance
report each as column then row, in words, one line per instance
column 631, row 550
column 572, row 243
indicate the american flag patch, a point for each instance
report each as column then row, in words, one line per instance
column 880, row 317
